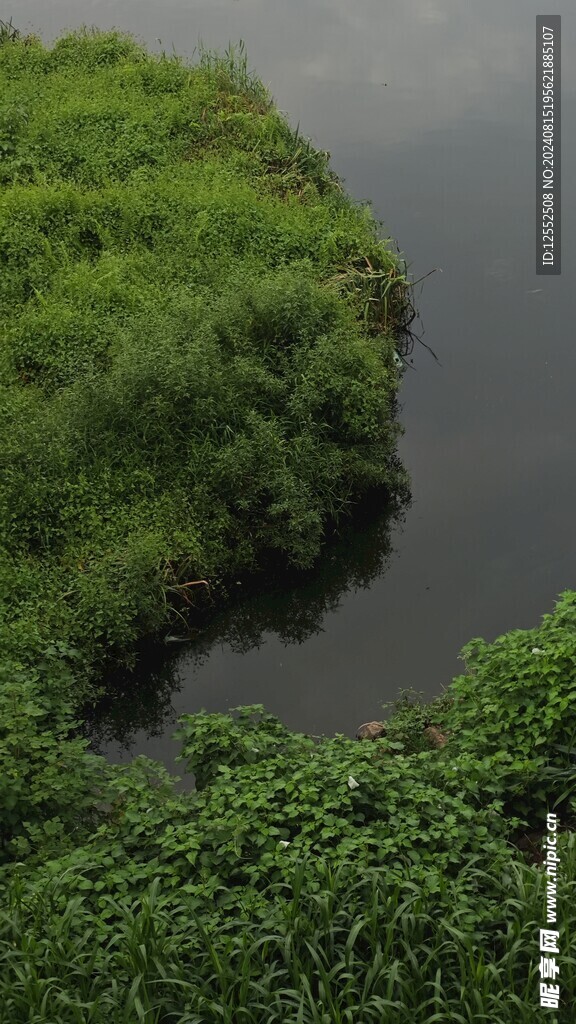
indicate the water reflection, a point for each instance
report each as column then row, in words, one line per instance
column 288, row 606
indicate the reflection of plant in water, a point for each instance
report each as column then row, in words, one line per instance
column 295, row 610
column 292, row 609
column 135, row 700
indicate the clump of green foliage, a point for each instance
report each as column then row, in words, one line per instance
column 189, row 375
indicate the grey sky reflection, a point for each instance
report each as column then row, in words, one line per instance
column 327, row 60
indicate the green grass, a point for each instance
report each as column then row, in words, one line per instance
column 326, row 949
column 197, row 331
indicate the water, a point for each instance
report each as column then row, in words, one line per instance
column 445, row 150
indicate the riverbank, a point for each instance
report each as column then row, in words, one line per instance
column 398, row 878
column 199, row 330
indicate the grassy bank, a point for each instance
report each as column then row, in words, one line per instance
column 197, row 340
column 197, row 359
column 308, row 882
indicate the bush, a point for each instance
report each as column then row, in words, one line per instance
column 49, row 784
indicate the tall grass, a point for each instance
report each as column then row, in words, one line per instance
column 340, row 952
column 8, row 32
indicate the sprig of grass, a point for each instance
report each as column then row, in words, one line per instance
column 8, row 33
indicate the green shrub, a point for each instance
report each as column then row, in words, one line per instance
column 516, row 702
column 48, row 782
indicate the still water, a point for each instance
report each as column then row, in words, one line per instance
column 427, row 108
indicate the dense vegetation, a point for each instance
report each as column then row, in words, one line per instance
column 197, row 369
column 197, row 364
column 302, row 882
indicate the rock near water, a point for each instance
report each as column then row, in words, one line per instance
column 370, row 731
column 375, row 730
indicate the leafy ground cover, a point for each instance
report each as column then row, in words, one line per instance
column 197, row 367
column 305, row 881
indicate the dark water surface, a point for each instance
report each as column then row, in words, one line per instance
column 445, row 150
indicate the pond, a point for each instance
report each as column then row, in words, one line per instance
column 427, row 109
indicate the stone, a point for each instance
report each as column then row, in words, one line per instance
column 371, row 731
column 437, row 738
